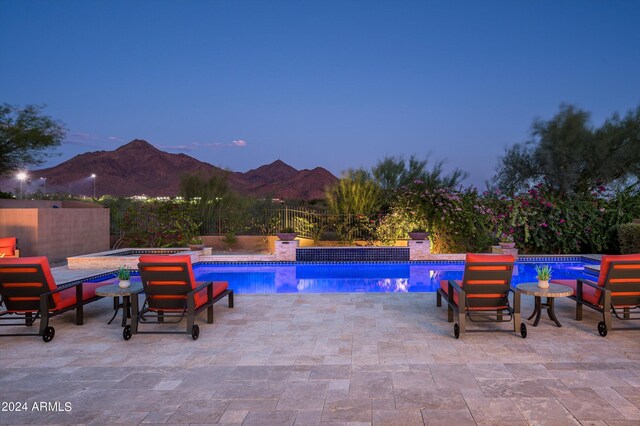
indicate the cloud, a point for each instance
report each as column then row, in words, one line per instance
column 81, row 135
column 238, row 143
column 90, row 140
column 178, row 147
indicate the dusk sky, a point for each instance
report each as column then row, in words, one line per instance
column 336, row 84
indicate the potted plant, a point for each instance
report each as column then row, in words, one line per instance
column 419, row 233
column 195, row 243
column 124, row 276
column 544, row 275
column 506, row 241
column 287, row 234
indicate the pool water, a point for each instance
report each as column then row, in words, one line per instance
column 358, row 277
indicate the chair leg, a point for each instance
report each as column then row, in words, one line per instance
column 230, row 297
column 461, row 311
column 438, row 299
column 579, row 301
column 606, row 309
column 44, row 314
column 461, row 314
column 516, row 310
column 191, row 312
column 449, row 313
column 79, row 306
column 578, row 311
column 134, row 313
column 210, row 314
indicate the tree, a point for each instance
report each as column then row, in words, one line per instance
column 25, row 135
column 395, row 172
column 353, row 200
column 207, row 196
column 206, row 191
column 569, row 155
column 355, row 193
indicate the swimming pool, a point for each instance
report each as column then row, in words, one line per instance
column 358, row 277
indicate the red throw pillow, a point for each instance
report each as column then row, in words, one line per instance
column 8, row 246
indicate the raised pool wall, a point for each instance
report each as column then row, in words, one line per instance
column 124, row 257
column 257, row 242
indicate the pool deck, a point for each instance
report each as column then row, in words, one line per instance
column 330, row 359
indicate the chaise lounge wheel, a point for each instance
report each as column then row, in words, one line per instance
column 602, row 328
column 523, row 330
column 456, row 330
column 195, row 332
column 49, row 334
column 126, row 333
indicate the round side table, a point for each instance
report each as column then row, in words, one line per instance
column 114, row 290
column 554, row 290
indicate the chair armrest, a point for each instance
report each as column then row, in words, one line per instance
column 517, row 295
column 454, row 285
column 59, row 289
column 200, row 287
column 589, row 283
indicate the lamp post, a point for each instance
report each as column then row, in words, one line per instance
column 44, row 185
column 22, row 176
column 93, row 176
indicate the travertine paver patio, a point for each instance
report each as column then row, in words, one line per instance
column 335, row 359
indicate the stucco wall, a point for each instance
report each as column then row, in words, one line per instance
column 56, row 232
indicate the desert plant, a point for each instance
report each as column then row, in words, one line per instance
column 123, row 273
column 544, row 272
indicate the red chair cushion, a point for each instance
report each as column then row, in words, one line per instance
column 8, row 246
column 480, row 258
column 218, row 287
column 160, row 258
column 201, row 296
column 44, row 264
column 68, row 297
column 589, row 293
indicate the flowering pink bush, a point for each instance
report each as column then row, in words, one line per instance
column 539, row 221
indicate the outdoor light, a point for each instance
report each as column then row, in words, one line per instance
column 22, row 176
column 44, row 184
column 93, row 176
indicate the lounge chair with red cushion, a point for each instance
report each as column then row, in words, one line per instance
column 483, row 293
column 617, row 290
column 29, row 293
column 9, row 247
column 172, row 292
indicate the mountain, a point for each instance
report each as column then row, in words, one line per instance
column 140, row 168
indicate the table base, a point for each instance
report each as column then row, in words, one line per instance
column 126, row 309
column 537, row 310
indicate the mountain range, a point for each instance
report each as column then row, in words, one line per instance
column 138, row 168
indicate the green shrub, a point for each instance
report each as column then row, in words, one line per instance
column 629, row 238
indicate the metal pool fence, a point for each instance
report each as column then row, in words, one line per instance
column 308, row 223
